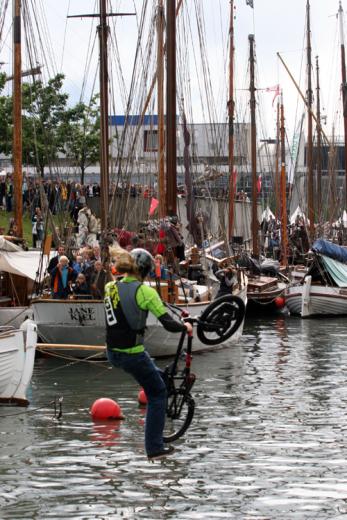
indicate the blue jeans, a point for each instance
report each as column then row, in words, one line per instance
column 142, row 368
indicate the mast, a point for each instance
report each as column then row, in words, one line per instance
column 284, row 237
column 17, row 118
column 171, row 150
column 103, row 31
column 255, row 224
column 161, row 135
column 310, row 204
column 231, row 112
column 319, row 150
column 277, row 173
column 344, row 91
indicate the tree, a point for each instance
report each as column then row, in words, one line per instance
column 81, row 134
column 44, row 109
column 5, row 120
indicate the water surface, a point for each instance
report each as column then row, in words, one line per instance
column 268, row 440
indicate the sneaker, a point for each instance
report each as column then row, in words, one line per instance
column 161, row 454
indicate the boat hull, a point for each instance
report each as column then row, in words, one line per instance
column 14, row 316
column 265, row 301
column 309, row 300
column 17, row 356
column 78, row 324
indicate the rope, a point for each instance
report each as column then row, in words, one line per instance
column 28, row 411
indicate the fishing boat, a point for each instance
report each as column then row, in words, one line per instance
column 265, row 290
column 17, row 356
column 323, row 290
column 77, row 327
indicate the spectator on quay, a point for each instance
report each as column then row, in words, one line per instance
column 55, row 260
column 62, row 277
column 77, row 265
column 13, row 228
column 98, row 279
column 93, row 228
column 8, row 195
column 81, row 288
column 3, row 192
column 37, row 228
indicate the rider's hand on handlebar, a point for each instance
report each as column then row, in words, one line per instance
column 189, row 327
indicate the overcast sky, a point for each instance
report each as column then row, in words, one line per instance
column 278, row 26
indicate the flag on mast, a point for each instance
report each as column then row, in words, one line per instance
column 276, row 89
column 250, row 3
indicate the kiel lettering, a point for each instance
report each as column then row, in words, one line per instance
column 82, row 314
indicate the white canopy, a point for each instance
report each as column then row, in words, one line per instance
column 267, row 214
column 298, row 213
column 6, row 245
column 23, row 263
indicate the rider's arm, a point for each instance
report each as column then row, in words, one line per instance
column 148, row 299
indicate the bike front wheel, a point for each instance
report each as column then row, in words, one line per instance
column 179, row 414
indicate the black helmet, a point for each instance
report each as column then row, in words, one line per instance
column 144, row 261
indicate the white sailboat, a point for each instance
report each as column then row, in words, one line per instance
column 323, row 290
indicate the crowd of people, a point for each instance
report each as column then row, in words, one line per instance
column 79, row 275
column 83, row 273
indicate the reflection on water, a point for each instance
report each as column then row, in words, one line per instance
column 267, row 440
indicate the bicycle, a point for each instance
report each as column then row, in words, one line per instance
column 220, row 319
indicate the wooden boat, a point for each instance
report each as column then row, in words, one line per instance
column 323, row 290
column 17, row 356
column 77, row 327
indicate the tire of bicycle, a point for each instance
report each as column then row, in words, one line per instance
column 211, row 313
column 183, row 423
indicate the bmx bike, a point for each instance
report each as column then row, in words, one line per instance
column 219, row 321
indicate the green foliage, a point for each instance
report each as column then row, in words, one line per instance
column 44, row 108
column 81, row 135
column 49, row 127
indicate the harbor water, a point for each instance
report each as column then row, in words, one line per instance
column 268, row 440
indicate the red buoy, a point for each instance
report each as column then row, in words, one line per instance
column 280, row 302
column 105, row 409
column 142, row 398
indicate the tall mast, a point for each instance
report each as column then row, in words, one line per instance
column 171, row 151
column 319, row 150
column 255, row 224
column 231, row 112
column 277, row 173
column 161, row 135
column 344, row 90
column 103, row 30
column 17, row 117
column 284, row 238
column 310, row 204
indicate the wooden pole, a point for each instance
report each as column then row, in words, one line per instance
column 277, row 173
column 231, row 114
column 255, row 223
column 171, row 141
column 104, row 151
column 310, row 202
column 161, row 133
column 319, row 150
column 17, row 119
column 344, row 92
column 303, row 98
column 284, row 237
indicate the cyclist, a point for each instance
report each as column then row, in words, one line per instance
column 127, row 302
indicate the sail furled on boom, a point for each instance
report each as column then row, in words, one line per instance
column 190, row 201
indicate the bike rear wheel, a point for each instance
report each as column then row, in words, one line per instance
column 179, row 414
